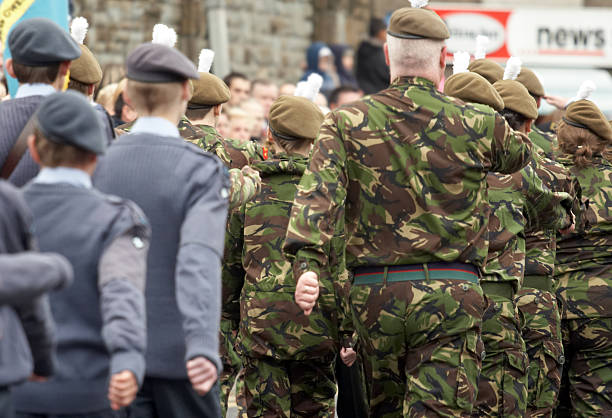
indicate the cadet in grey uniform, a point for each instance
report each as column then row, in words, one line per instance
column 184, row 193
column 42, row 54
column 100, row 319
column 26, row 329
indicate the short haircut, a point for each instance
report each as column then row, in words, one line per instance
column 293, row 146
column 233, row 76
column 514, row 119
column 335, row 94
column 376, row 25
column 78, row 86
column 53, row 154
column 406, row 55
column 199, row 113
column 153, row 96
column 27, row 74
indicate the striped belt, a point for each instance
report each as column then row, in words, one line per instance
column 408, row 272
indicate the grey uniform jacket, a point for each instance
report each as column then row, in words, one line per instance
column 183, row 192
column 26, row 327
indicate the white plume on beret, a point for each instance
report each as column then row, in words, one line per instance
column 513, row 68
column 461, row 61
column 309, row 88
column 586, row 88
column 164, row 35
column 78, row 29
column 207, row 56
column 481, row 47
column 419, row 4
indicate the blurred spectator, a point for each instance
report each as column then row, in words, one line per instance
column 320, row 60
column 344, row 59
column 240, row 124
column 372, row 70
column 343, row 95
column 265, row 92
column 287, row 89
column 223, row 125
column 105, row 98
column 123, row 112
column 256, row 112
column 111, row 74
column 240, row 88
column 321, row 101
column 3, row 85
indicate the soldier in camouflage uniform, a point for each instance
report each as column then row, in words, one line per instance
column 287, row 357
column 516, row 201
column 406, row 170
column 583, row 266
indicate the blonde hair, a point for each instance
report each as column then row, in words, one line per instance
column 580, row 143
column 153, row 97
column 407, row 55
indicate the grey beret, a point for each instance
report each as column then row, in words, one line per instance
column 155, row 63
column 38, row 42
column 68, row 118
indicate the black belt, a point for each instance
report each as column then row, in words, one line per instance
column 408, row 272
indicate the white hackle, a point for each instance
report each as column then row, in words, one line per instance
column 164, row 35
column 461, row 62
column 78, row 29
column 586, row 88
column 482, row 42
column 309, row 89
column 513, row 68
column 419, row 4
column 205, row 61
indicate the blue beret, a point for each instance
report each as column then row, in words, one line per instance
column 69, row 118
column 155, row 63
column 38, row 42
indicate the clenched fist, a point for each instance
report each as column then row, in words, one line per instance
column 202, row 374
column 122, row 389
column 307, row 291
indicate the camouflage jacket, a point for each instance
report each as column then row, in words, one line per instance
column 520, row 201
column 583, row 265
column 242, row 187
column 406, row 167
column 544, row 141
column 541, row 242
column 271, row 323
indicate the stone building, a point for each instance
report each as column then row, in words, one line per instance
column 262, row 38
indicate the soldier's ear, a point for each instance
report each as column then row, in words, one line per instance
column 386, row 49
column 32, row 147
column 9, row 67
column 443, row 58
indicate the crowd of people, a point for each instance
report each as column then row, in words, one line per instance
column 382, row 242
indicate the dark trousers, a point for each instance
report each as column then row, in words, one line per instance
column 6, row 405
column 102, row 414
column 166, row 398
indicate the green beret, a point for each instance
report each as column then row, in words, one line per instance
column 473, row 88
column 585, row 114
column 86, row 68
column 531, row 82
column 487, row 68
column 295, row 118
column 517, row 98
column 209, row 90
column 417, row 23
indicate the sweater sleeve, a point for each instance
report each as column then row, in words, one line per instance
column 198, row 269
column 37, row 322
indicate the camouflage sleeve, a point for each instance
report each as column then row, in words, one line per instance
column 244, row 185
column 341, row 278
column 544, row 208
column 320, row 196
column 232, row 272
column 510, row 150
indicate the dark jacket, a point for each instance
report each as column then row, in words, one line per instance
column 372, row 71
column 26, row 327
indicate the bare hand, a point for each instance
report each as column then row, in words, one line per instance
column 556, row 101
column 307, row 291
column 36, row 378
column 122, row 389
column 348, row 356
column 202, row 374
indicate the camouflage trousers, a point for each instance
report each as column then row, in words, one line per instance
column 541, row 330
column 502, row 388
column 586, row 386
column 230, row 359
column 273, row 388
column 421, row 344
